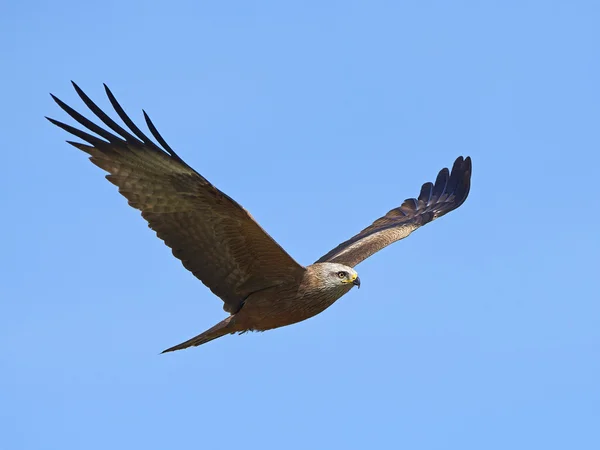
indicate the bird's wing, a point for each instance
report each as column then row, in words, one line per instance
column 213, row 236
column 449, row 192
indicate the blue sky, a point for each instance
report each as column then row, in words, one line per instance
column 479, row 331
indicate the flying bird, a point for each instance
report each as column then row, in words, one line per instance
column 261, row 285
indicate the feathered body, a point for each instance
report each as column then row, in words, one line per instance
column 262, row 287
column 283, row 305
column 294, row 302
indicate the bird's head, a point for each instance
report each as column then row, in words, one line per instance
column 336, row 276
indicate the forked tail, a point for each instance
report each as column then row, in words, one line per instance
column 220, row 329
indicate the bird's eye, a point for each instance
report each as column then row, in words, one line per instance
column 342, row 274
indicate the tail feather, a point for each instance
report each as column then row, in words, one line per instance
column 220, row 329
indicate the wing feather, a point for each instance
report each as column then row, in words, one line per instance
column 448, row 193
column 213, row 236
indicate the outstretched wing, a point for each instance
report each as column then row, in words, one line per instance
column 449, row 192
column 213, row 236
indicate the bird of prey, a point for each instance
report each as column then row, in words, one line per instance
column 261, row 285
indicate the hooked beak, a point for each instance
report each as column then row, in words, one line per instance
column 356, row 282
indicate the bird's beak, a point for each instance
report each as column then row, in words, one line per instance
column 356, row 282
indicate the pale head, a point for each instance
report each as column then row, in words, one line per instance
column 335, row 276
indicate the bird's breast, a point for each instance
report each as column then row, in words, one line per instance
column 284, row 305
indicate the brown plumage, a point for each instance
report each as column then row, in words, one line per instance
column 262, row 287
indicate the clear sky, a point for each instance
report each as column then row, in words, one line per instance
column 480, row 331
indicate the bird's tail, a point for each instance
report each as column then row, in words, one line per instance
column 220, row 329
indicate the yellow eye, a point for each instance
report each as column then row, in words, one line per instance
column 342, row 274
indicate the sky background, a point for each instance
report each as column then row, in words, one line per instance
column 480, row 331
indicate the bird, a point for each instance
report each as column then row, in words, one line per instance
column 262, row 287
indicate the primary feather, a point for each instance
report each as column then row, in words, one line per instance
column 448, row 193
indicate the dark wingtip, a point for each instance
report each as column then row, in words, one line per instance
column 62, row 104
column 113, row 100
column 121, row 134
column 463, row 162
column 468, row 163
column 54, row 121
column 55, row 98
column 425, row 194
column 452, row 185
column 462, row 173
column 77, row 88
column 467, row 168
column 58, row 123
column 158, row 136
column 108, row 91
column 127, row 120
